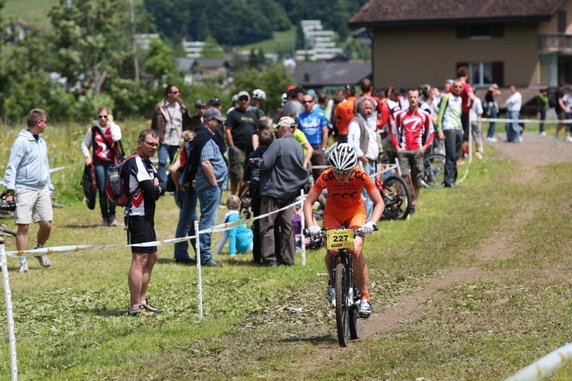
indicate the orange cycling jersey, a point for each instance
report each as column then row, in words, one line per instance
column 344, row 204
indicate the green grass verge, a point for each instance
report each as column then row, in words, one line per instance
column 70, row 319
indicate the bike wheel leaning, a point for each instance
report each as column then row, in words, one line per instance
column 434, row 174
column 342, row 308
column 398, row 196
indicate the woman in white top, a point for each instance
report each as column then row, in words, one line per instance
column 103, row 137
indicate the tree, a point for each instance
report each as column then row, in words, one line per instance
column 212, row 49
column 90, row 42
column 160, row 61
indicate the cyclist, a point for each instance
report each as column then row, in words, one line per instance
column 345, row 207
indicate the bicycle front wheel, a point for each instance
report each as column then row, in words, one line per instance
column 342, row 307
column 434, row 174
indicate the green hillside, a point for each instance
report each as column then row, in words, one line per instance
column 34, row 12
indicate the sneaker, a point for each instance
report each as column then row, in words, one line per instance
column 186, row 261
column 569, row 139
column 104, row 221
column 44, row 260
column 479, row 156
column 492, row 140
column 411, row 209
column 364, row 308
column 212, row 263
column 23, row 267
column 543, row 133
column 331, row 294
column 112, row 221
column 140, row 311
column 149, row 307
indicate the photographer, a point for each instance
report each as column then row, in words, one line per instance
column 27, row 181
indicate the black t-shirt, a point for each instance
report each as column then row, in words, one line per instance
column 243, row 125
column 559, row 95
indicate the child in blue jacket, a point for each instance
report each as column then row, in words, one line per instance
column 239, row 237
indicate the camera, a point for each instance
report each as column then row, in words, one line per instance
column 5, row 205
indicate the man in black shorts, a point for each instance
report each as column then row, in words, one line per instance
column 140, row 177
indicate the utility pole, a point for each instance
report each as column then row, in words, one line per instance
column 133, row 42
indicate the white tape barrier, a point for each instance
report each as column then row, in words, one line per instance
column 52, row 170
column 214, row 229
column 544, row 366
column 538, row 121
column 9, row 313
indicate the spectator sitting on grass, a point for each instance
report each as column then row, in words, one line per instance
column 239, row 237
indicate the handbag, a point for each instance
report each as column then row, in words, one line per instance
column 89, row 185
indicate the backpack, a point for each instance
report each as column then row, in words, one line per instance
column 89, row 186
column 115, row 189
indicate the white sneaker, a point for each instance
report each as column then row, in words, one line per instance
column 492, row 140
column 44, row 260
column 569, row 139
column 23, row 267
column 113, row 221
column 364, row 308
column 543, row 133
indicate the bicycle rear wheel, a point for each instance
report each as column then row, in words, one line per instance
column 396, row 197
column 434, row 174
column 245, row 201
column 342, row 308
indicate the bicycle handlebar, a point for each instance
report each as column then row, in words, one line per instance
column 324, row 230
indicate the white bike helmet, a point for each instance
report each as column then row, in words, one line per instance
column 343, row 157
column 259, row 94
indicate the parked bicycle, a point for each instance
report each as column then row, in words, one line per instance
column 348, row 322
column 396, row 197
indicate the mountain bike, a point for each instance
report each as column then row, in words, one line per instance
column 348, row 322
column 396, row 197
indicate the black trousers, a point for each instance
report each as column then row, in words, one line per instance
column 453, row 141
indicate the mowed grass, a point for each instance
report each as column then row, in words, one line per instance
column 274, row 323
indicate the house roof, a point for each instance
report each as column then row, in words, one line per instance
column 320, row 74
column 412, row 12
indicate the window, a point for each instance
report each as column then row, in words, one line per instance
column 483, row 74
column 480, row 31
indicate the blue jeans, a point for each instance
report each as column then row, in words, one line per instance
column 369, row 168
column 512, row 129
column 164, row 153
column 106, row 206
column 542, row 118
column 492, row 125
column 209, row 198
column 186, row 224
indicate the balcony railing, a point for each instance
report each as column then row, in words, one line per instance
column 555, row 43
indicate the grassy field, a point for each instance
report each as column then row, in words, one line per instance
column 282, row 42
column 34, row 12
column 475, row 286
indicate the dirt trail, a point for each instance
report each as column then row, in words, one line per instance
column 533, row 152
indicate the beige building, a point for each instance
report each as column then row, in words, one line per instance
column 527, row 43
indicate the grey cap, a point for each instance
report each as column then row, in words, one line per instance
column 213, row 112
column 200, row 103
column 214, row 101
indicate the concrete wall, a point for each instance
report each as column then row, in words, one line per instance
column 408, row 56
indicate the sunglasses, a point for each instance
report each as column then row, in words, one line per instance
column 342, row 173
column 102, row 116
column 149, row 144
column 173, row 92
column 307, row 102
column 243, row 99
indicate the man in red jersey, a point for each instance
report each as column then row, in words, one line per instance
column 412, row 136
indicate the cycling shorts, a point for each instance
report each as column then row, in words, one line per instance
column 349, row 217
